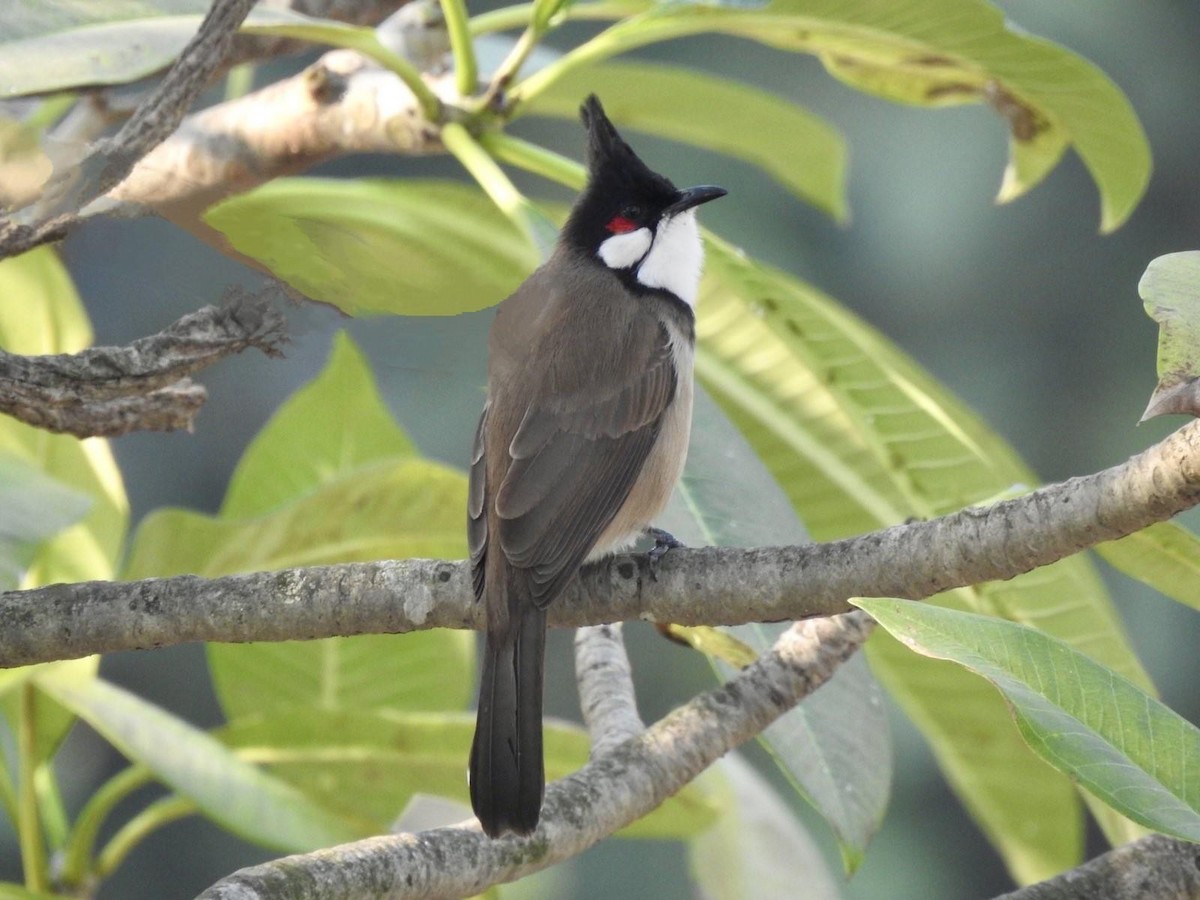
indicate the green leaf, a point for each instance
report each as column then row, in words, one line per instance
column 234, row 793
column 757, row 848
column 1118, row 742
column 376, row 246
column 389, row 510
column 930, row 53
column 795, row 147
column 305, row 445
column 860, row 437
column 1165, row 556
column 1171, row 291
column 367, row 765
column 33, row 506
column 52, row 722
column 10, row 891
column 835, row 747
column 42, row 314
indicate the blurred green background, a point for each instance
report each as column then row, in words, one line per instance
column 1023, row 310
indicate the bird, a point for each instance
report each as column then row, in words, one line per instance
column 583, row 435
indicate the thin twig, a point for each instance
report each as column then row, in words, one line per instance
column 606, row 694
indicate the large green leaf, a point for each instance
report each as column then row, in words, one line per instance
column 1118, row 742
column 391, row 509
column 859, row 437
column 367, row 765
column 756, row 849
column 234, row 793
column 388, row 510
column 835, row 747
column 376, row 246
column 1165, row 556
column 795, row 147
column 42, row 314
column 933, row 53
column 331, row 426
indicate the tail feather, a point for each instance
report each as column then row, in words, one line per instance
column 507, row 777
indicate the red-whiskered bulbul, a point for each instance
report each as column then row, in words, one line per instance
column 582, row 438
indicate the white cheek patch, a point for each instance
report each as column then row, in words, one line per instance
column 675, row 261
column 624, row 250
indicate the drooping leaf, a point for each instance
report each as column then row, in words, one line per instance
column 835, row 747
column 234, row 793
column 329, row 427
column 388, row 510
column 52, row 722
column 376, row 246
column 1165, row 556
column 1171, row 291
column 931, row 53
column 757, row 848
column 859, row 437
column 1118, row 742
column 367, row 765
column 795, row 147
column 33, row 507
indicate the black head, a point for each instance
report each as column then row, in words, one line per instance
column 622, row 193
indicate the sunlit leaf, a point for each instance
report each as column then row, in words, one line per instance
column 367, row 765
column 859, row 437
column 42, row 314
column 388, row 510
column 1102, row 730
column 835, row 747
column 795, row 147
column 757, row 849
column 232, row 792
column 375, row 246
column 1171, row 291
column 930, row 53
column 33, row 506
column 329, row 427
column 1165, row 556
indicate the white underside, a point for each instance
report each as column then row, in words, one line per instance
column 671, row 258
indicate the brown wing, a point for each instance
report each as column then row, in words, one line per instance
column 575, row 456
column 477, row 527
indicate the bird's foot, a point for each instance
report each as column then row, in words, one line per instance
column 664, row 542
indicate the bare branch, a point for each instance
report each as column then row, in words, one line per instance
column 605, row 680
column 1153, row 868
column 114, row 390
column 608, row 793
column 713, row 586
column 112, row 158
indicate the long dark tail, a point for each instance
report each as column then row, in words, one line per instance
column 507, row 775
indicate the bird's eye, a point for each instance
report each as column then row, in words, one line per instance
column 632, row 212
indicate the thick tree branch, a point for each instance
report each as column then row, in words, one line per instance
column 715, row 586
column 114, row 390
column 112, row 158
column 1153, row 868
column 611, row 791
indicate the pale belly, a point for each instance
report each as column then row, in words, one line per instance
column 652, row 490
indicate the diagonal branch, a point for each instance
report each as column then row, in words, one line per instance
column 114, row 390
column 713, row 586
column 606, row 695
column 611, row 791
column 155, row 118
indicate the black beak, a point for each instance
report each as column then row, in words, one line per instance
column 694, row 196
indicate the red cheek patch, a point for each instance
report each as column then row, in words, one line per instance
column 621, row 225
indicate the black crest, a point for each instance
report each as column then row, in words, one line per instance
column 617, row 179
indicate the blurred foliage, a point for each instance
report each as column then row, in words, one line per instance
column 835, row 430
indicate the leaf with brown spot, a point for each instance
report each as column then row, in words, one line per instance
column 1170, row 290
